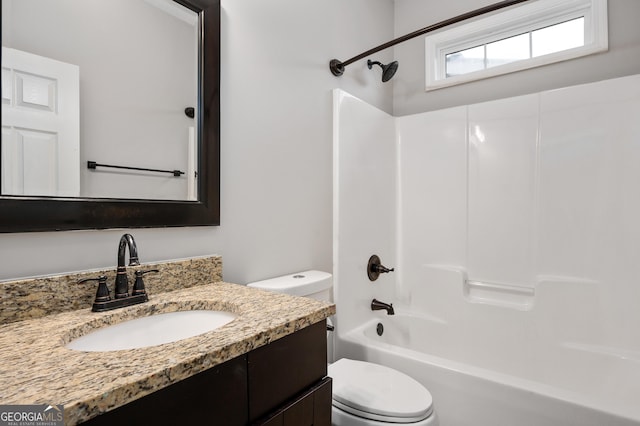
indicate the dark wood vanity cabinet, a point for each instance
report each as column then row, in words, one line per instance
column 311, row 408
column 286, row 380
column 279, row 384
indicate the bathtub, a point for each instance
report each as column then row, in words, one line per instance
column 475, row 381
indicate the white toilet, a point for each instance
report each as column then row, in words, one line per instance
column 364, row 393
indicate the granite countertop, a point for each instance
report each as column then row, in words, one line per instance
column 36, row 368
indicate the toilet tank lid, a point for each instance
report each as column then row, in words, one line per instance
column 298, row 284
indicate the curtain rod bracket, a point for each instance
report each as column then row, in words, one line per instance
column 336, row 67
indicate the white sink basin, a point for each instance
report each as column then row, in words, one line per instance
column 152, row 330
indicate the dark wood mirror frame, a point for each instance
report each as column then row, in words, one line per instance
column 29, row 214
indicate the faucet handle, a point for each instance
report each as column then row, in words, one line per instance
column 138, row 287
column 102, row 294
column 375, row 268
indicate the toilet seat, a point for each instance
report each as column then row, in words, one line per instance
column 377, row 392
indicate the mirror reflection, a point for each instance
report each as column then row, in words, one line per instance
column 108, row 82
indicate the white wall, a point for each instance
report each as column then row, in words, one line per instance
column 623, row 58
column 276, row 146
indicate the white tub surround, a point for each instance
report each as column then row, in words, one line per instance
column 513, row 228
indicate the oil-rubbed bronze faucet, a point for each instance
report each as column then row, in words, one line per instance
column 377, row 305
column 103, row 301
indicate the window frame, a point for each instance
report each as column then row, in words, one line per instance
column 512, row 22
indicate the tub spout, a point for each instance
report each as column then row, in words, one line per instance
column 377, row 305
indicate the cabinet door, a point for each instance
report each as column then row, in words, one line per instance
column 312, row 408
column 284, row 368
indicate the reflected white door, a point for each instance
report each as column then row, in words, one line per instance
column 40, row 125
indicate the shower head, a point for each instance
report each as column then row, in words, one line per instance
column 388, row 70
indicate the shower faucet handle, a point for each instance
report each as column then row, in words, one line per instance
column 375, row 268
column 382, row 269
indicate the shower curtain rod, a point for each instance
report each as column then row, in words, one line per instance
column 337, row 67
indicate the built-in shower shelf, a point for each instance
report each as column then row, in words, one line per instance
column 499, row 294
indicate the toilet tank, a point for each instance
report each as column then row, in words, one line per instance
column 313, row 284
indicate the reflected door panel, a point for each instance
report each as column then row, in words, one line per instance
column 40, row 126
column 29, row 162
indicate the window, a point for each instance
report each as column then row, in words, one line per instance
column 534, row 34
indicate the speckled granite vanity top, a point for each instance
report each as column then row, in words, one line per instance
column 36, row 368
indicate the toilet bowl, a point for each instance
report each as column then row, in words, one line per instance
column 364, row 393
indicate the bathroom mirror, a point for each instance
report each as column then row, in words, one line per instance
column 201, row 131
